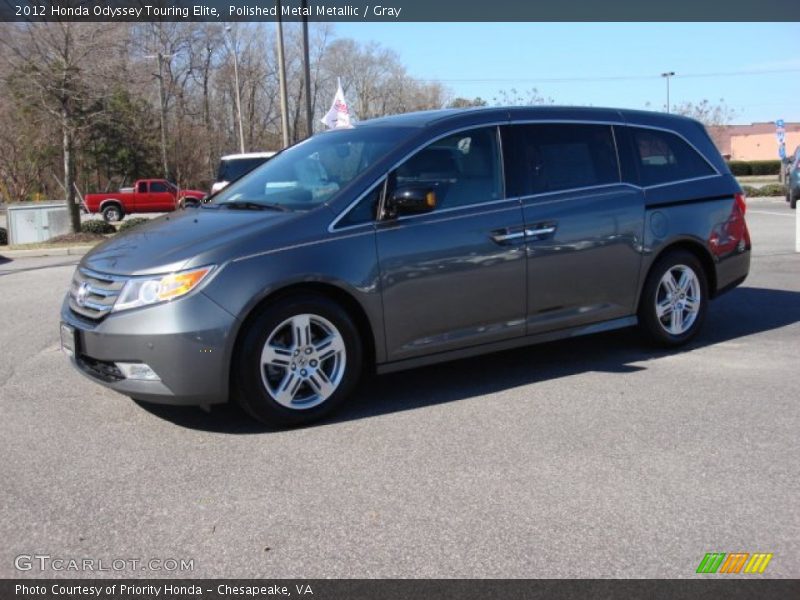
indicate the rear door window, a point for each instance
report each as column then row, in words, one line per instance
column 555, row 157
column 664, row 157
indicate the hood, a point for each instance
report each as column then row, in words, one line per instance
column 169, row 243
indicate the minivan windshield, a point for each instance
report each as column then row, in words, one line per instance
column 313, row 171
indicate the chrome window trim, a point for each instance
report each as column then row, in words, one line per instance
column 497, row 124
column 677, row 181
column 401, row 221
column 580, row 189
column 455, row 209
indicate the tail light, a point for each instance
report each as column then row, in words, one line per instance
column 731, row 235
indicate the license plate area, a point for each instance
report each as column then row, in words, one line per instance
column 69, row 340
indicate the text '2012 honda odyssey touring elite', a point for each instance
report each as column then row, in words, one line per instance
column 409, row 240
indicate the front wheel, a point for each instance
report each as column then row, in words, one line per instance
column 298, row 360
column 793, row 200
column 674, row 300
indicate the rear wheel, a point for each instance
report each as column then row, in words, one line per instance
column 674, row 299
column 113, row 213
column 793, row 200
column 299, row 359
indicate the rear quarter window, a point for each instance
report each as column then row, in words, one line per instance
column 664, row 157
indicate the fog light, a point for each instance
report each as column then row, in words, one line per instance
column 139, row 371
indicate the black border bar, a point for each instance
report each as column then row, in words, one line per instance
column 406, row 11
column 711, row 587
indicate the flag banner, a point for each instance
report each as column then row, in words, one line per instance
column 339, row 116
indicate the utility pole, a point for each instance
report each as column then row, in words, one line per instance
column 162, row 108
column 667, row 76
column 236, row 83
column 282, row 79
column 307, row 73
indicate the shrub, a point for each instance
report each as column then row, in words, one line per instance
column 771, row 189
column 743, row 168
column 740, row 168
column 131, row 223
column 765, row 167
column 3, row 237
column 750, row 191
column 97, row 226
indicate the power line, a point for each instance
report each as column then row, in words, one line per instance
column 608, row 78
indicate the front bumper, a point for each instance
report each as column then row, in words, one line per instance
column 186, row 342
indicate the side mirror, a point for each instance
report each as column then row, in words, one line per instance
column 412, row 200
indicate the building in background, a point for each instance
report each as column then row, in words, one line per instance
column 756, row 141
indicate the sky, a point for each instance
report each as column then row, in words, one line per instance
column 753, row 67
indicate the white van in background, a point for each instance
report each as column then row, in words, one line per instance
column 233, row 166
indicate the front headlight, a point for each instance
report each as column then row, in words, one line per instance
column 161, row 288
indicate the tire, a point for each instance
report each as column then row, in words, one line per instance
column 113, row 212
column 793, row 200
column 671, row 320
column 283, row 380
column 189, row 203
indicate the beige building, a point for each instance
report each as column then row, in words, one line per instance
column 756, row 141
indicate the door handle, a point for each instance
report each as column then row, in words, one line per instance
column 540, row 230
column 502, row 238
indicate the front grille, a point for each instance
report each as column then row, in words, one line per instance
column 92, row 294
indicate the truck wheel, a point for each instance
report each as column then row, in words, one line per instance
column 189, row 203
column 297, row 361
column 113, row 213
column 674, row 299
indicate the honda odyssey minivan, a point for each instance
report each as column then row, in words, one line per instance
column 409, row 240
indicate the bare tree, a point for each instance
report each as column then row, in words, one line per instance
column 62, row 69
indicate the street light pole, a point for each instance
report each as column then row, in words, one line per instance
column 282, row 79
column 238, row 92
column 667, row 76
column 307, row 73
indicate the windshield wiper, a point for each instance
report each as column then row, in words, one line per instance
column 247, row 205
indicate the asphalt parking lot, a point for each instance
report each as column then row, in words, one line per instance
column 597, row 457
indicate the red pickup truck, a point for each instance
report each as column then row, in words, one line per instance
column 146, row 195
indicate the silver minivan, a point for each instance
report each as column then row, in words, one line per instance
column 409, row 240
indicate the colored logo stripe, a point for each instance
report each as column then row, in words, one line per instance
column 734, row 562
column 717, row 561
column 711, row 562
column 758, row 563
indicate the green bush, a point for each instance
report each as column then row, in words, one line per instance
column 751, row 191
column 743, row 168
column 131, row 223
column 740, row 168
column 97, row 226
column 765, row 167
column 3, row 237
column 771, row 189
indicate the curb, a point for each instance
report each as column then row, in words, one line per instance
column 41, row 252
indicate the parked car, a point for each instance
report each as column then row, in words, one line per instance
column 233, row 166
column 146, row 195
column 793, row 178
column 410, row 240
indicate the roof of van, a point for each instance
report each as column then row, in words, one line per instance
column 248, row 155
column 429, row 117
